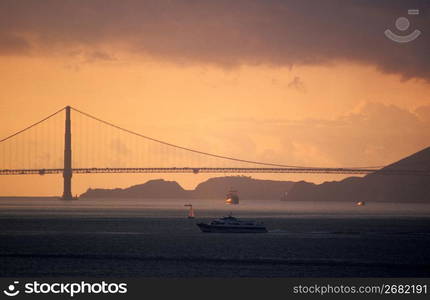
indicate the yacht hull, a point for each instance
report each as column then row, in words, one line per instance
column 231, row 229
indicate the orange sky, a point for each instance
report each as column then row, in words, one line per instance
column 345, row 112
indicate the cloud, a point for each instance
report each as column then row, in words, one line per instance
column 225, row 32
column 98, row 55
column 297, row 84
column 78, row 58
column 424, row 113
column 12, row 44
column 375, row 134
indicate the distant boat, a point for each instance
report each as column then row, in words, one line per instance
column 231, row 224
column 232, row 197
column 190, row 211
column 360, row 203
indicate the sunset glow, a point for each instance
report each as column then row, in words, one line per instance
column 221, row 86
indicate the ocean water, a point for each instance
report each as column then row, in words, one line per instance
column 135, row 238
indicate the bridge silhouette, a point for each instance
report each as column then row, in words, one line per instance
column 99, row 146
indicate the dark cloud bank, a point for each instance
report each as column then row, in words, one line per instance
column 226, row 33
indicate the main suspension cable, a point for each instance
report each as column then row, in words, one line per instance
column 32, row 125
column 205, row 153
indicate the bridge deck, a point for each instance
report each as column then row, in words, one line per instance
column 216, row 170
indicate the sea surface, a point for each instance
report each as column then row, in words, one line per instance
column 153, row 238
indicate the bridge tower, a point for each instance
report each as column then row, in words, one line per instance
column 67, row 171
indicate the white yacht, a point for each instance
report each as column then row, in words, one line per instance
column 231, row 224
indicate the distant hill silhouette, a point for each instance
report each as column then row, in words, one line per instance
column 214, row 188
column 248, row 188
column 153, row 189
column 373, row 187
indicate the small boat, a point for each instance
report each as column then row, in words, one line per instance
column 232, row 197
column 231, row 224
column 191, row 211
column 360, row 203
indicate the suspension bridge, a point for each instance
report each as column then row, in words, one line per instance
column 99, row 146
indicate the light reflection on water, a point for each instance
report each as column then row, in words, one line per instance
column 206, row 208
